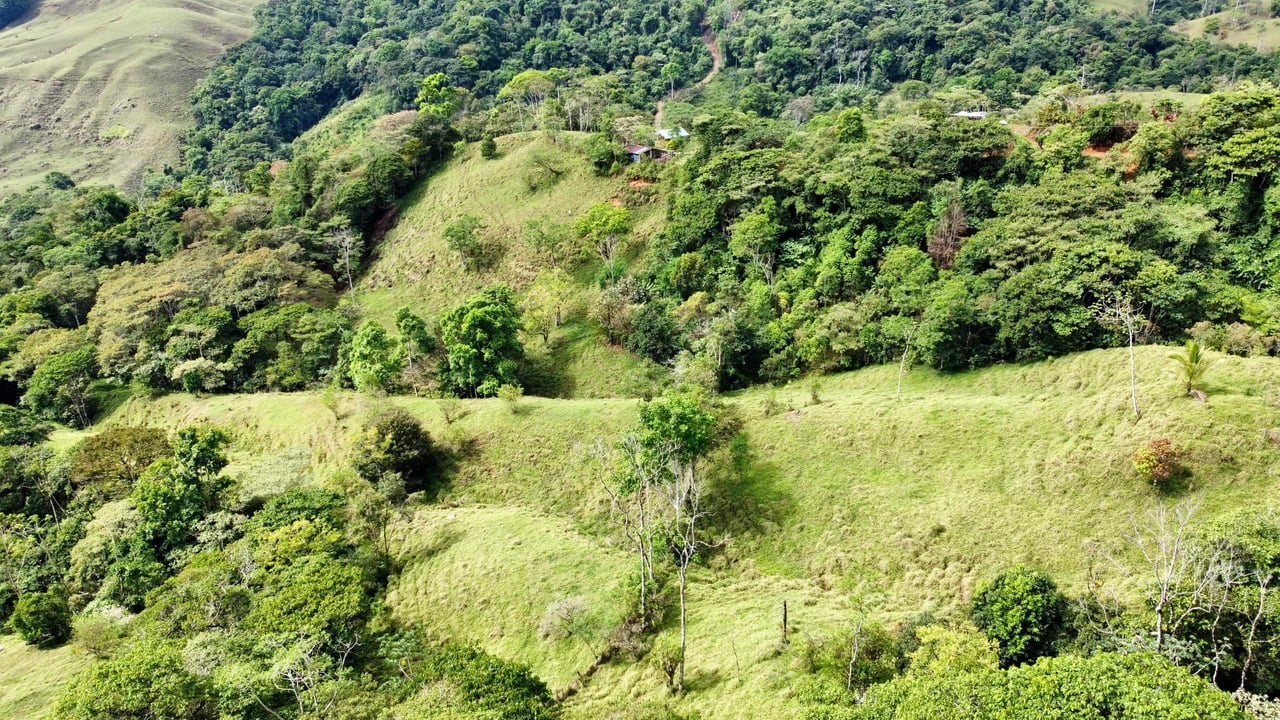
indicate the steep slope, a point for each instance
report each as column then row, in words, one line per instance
column 99, row 89
column 414, row 267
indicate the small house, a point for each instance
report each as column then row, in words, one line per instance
column 640, row 152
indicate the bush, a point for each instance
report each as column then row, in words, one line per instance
column 393, row 443
column 19, row 427
column 511, row 394
column 488, row 147
column 98, row 634
column 1158, row 462
column 42, row 619
column 148, row 682
column 300, row 504
column 1023, row 612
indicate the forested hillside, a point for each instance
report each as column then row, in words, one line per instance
column 659, row 361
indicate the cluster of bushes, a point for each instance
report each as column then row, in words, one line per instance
column 202, row 600
column 1026, row 648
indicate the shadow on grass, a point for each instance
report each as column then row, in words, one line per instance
column 749, row 495
column 440, row 542
column 442, row 470
column 108, row 397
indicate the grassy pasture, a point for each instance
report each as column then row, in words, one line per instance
column 31, row 679
column 99, row 89
column 907, row 502
column 1255, row 30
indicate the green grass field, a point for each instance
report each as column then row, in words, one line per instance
column 99, row 88
column 31, row 679
column 1258, row 31
column 415, row 266
column 908, row 502
column 1124, row 7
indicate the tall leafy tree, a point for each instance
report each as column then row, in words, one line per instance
column 376, row 358
column 482, row 343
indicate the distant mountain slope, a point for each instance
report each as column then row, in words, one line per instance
column 99, row 89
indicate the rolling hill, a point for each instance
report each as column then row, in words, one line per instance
column 906, row 502
column 99, row 89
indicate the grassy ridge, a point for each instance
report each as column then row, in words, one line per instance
column 908, row 502
column 98, row 88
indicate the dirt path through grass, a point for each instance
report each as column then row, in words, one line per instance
column 717, row 62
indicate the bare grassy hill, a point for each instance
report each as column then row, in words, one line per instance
column 99, row 89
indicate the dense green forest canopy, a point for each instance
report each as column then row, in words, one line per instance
column 306, row 57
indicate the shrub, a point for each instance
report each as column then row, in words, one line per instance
column 1023, row 612
column 300, row 504
column 1158, row 462
column 19, row 427
column 488, row 147
column 42, row 619
column 511, row 394
column 393, row 443
column 148, row 682
column 98, row 634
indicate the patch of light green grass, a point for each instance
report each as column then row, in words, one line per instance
column 1260, row 32
column 488, row 575
column 31, row 679
column 414, row 267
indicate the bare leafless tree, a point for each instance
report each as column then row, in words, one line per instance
column 1169, row 563
column 633, row 510
column 1121, row 314
column 683, row 496
column 347, row 245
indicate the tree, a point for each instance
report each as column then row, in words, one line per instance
column 604, row 227
column 175, row 492
column 1190, row 365
column 1122, row 315
column 1022, row 610
column 482, row 343
column 347, row 246
column 545, row 300
column 463, row 236
column 755, row 238
column 416, row 339
column 675, row 434
column 376, row 358
column 42, row 619
column 59, row 388
column 436, row 97
column 114, row 459
column 549, row 238
column 392, row 446
column 530, row 88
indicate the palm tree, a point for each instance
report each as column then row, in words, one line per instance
column 1190, row 365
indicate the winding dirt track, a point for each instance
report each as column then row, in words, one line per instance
column 717, row 61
